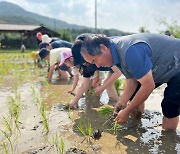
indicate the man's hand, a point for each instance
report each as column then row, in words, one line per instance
column 98, row 90
column 70, row 91
column 71, row 106
column 119, row 105
column 122, row 116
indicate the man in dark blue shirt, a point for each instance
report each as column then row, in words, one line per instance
column 147, row 61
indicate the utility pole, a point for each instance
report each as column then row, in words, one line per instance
column 95, row 16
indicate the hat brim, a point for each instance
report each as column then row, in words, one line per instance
column 47, row 41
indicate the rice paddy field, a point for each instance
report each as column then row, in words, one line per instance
column 33, row 119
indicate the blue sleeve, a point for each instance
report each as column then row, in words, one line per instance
column 137, row 60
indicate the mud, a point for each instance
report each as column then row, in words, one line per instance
column 143, row 135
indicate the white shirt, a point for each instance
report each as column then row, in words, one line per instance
column 55, row 55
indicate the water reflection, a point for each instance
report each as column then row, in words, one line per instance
column 147, row 131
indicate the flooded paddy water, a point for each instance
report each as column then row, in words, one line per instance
column 33, row 118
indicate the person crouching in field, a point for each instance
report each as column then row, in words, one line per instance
column 53, row 57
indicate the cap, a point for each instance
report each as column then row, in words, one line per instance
column 39, row 35
column 43, row 45
column 76, row 48
column 34, row 54
column 65, row 55
column 43, row 53
column 46, row 39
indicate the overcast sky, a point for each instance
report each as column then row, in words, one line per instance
column 125, row 15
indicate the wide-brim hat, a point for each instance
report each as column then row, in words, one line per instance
column 65, row 55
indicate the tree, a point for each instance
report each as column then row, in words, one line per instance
column 65, row 35
column 143, row 30
column 174, row 27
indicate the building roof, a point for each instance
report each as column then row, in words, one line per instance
column 12, row 27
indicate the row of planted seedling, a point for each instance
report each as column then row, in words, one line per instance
column 10, row 124
column 14, row 65
column 56, row 141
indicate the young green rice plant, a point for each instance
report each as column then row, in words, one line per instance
column 106, row 111
column 86, row 130
column 46, row 83
column 33, row 91
column 7, row 134
column 60, row 146
column 8, row 138
column 70, row 114
column 38, row 101
column 5, row 148
column 89, row 131
column 8, row 125
column 81, row 128
column 115, row 127
column 44, row 117
column 14, row 110
column 58, row 143
column 117, row 84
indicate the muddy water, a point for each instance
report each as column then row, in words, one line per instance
column 136, row 136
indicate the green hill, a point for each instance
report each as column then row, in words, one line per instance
column 13, row 14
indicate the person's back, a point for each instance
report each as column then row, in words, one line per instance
column 163, row 68
column 61, row 43
column 55, row 55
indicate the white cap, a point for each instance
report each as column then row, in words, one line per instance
column 46, row 39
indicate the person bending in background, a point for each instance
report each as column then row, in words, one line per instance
column 53, row 57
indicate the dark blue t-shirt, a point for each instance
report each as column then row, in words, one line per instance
column 137, row 59
column 61, row 43
column 89, row 70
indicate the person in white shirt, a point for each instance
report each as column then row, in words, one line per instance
column 53, row 57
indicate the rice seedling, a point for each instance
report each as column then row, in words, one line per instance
column 8, row 125
column 14, row 110
column 115, row 127
column 81, row 128
column 8, row 137
column 89, row 132
column 89, row 129
column 60, row 146
column 37, row 100
column 106, row 111
column 5, row 148
column 58, row 143
column 44, row 117
column 46, row 83
column 86, row 130
column 119, row 85
column 33, row 90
